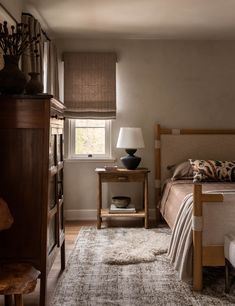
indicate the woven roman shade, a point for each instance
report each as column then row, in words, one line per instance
column 90, row 85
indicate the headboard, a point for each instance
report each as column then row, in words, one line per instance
column 173, row 146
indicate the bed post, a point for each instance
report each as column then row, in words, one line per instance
column 197, row 237
column 157, row 146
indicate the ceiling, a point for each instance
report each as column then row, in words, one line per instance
column 147, row 19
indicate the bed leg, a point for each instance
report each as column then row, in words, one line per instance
column 197, row 264
column 197, row 238
column 157, row 135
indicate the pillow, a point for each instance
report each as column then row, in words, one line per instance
column 213, row 170
column 181, row 171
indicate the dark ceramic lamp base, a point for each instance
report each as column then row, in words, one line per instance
column 131, row 162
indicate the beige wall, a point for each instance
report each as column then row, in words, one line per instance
column 175, row 83
column 14, row 7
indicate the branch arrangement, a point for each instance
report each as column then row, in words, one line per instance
column 16, row 40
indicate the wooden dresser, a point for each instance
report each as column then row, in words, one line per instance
column 31, row 181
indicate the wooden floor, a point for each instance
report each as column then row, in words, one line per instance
column 71, row 232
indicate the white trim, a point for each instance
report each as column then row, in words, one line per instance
column 175, row 131
column 90, row 160
column 91, row 214
column 71, row 143
column 80, row 214
column 45, row 65
column 197, row 223
column 157, row 144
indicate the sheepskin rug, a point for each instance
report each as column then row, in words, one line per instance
column 136, row 245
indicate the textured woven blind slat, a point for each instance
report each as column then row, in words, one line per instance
column 90, row 85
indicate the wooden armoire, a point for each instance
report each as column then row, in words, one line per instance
column 31, row 181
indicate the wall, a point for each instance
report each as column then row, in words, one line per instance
column 175, row 83
column 14, row 7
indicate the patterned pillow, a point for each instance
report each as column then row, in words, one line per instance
column 213, row 170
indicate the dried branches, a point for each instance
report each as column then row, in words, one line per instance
column 17, row 39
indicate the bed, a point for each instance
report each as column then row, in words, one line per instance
column 173, row 146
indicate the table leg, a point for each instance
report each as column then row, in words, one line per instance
column 8, row 300
column 18, row 300
column 146, row 209
column 62, row 256
column 99, row 202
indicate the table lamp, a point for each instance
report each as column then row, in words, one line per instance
column 131, row 139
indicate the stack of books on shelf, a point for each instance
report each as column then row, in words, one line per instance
column 115, row 210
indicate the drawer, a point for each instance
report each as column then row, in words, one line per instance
column 119, row 177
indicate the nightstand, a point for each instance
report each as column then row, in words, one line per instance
column 122, row 175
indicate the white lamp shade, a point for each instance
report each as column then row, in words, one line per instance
column 130, row 138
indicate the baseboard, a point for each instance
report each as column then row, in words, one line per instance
column 80, row 214
column 90, row 214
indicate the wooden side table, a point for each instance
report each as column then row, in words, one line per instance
column 122, row 175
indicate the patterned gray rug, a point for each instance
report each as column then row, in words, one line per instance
column 88, row 281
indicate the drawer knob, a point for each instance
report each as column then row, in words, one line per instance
column 122, row 178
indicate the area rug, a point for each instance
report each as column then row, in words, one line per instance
column 88, row 281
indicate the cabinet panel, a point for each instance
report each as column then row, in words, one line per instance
column 21, row 168
column 29, row 181
column 52, row 241
column 60, row 184
column 52, row 150
column 61, row 224
column 60, row 146
column 52, row 192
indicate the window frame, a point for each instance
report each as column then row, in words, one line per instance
column 71, row 143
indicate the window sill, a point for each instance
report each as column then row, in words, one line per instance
column 90, row 160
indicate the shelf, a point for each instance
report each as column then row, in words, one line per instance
column 138, row 214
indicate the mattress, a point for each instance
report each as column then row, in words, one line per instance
column 174, row 193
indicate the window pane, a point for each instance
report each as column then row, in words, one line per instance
column 89, row 123
column 89, row 140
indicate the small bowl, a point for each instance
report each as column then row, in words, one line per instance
column 121, row 201
column 110, row 168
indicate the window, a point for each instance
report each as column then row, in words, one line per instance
column 89, row 138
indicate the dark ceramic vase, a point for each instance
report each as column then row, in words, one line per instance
column 12, row 79
column 131, row 162
column 34, row 85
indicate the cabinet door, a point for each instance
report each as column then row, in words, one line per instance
column 52, row 192
column 60, row 145
column 60, row 207
column 60, row 191
column 52, row 237
column 52, row 148
column 56, row 183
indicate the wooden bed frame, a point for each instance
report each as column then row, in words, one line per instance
column 202, row 255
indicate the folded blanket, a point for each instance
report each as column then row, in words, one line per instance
column 180, row 251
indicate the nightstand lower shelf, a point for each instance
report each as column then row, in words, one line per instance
column 105, row 213
column 121, row 176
